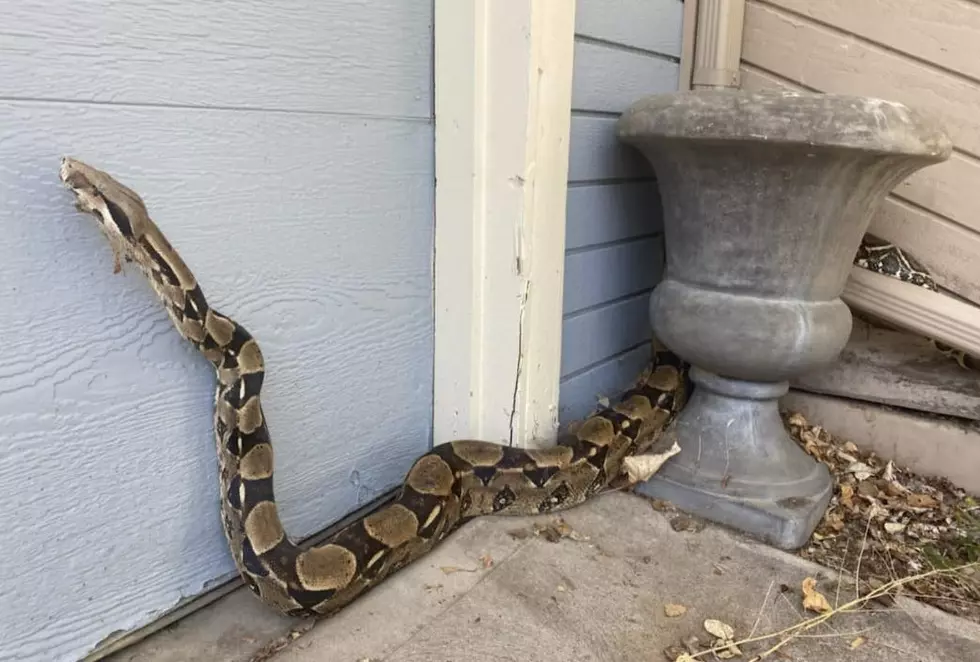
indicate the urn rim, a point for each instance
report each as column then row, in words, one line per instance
column 785, row 117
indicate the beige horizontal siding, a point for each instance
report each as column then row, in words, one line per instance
column 923, row 54
column 940, row 32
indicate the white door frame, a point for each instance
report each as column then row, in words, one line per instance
column 503, row 81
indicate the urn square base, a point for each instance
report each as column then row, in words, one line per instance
column 738, row 465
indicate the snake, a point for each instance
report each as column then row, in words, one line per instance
column 889, row 259
column 451, row 484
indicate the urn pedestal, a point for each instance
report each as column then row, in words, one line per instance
column 766, row 197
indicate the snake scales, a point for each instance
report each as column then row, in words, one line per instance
column 449, row 485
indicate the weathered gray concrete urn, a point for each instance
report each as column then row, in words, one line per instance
column 766, row 197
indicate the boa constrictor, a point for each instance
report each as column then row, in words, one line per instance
column 451, row 484
column 446, row 487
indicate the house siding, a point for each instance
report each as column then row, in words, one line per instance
column 923, row 54
column 613, row 242
column 286, row 149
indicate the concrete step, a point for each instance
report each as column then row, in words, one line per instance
column 898, row 369
column 928, row 444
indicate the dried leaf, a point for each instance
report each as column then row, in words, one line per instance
column 876, row 510
column 810, row 440
column 846, row 496
column 813, row 599
column 731, row 649
column 860, row 470
column 719, row 629
column 672, row 610
column 895, row 489
column 867, row 488
column 835, row 521
column 641, row 467
column 857, row 642
column 487, row 561
column 918, row 500
column 894, row 527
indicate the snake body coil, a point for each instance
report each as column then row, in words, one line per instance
column 444, row 488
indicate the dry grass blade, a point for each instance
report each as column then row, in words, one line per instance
column 762, row 608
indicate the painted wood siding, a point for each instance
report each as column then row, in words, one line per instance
column 623, row 51
column 924, row 54
column 287, row 150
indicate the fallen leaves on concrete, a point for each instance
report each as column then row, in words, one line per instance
column 814, row 600
column 885, row 522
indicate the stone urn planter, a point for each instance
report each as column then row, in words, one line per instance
column 766, row 197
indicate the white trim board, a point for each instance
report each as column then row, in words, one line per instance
column 915, row 308
column 503, row 87
column 689, row 32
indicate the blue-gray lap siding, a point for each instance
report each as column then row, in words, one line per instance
column 286, row 148
column 613, row 257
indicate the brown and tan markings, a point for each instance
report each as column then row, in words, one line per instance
column 444, row 488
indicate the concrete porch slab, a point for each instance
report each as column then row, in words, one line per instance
column 600, row 599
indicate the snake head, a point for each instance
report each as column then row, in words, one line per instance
column 120, row 210
column 125, row 222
